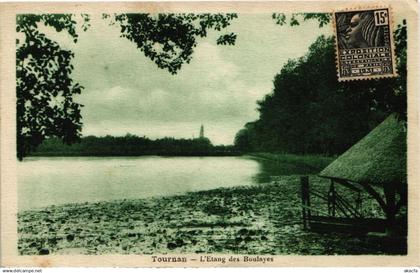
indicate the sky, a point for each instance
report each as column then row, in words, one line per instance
column 125, row 92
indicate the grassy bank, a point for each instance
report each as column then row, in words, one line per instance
column 261, row 219
column 296, row 164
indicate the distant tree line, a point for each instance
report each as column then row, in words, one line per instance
column 130, row 145
column 309, row 111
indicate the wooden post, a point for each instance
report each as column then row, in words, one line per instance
column 390, row 192
column 359, row 204
column 332, row 199
column 306, row 211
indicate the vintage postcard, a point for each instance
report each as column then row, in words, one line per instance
column 201, row 134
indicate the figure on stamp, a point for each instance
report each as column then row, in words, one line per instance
column 364, row 43
column 361, row 31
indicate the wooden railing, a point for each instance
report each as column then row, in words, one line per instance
column 338, row 209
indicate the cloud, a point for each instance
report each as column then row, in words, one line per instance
column 126, row 92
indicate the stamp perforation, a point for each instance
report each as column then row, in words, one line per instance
column 391, row 39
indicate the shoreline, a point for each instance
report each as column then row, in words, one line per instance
column 180, row 154
column 262, row 219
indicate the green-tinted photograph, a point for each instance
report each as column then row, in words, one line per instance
column 208, row 133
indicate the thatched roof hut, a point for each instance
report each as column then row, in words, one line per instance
column 378, row 158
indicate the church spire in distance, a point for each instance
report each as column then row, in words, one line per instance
column 202, row 131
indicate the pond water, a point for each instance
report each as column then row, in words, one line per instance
column 44, row 181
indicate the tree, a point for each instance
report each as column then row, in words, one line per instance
column 44, row 86
column 243, row 138
column 309, row 111
column 388, row 95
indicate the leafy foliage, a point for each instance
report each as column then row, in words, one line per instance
column 45, row 88
column 309, row 111
column 130, row 145
column 389, row 95
column 169, row 39
column 322, row 18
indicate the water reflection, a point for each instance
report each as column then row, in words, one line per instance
column 269, row 169
column 58, row 180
